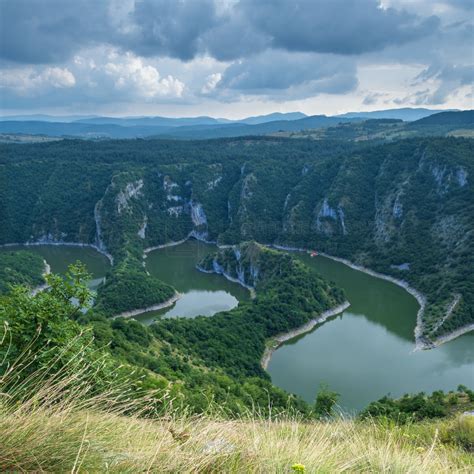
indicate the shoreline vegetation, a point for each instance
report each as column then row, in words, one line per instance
column 135, row 312
column 275, row 342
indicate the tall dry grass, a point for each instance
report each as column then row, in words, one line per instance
column 62, row 437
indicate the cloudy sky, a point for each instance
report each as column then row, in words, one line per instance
column 231, row 58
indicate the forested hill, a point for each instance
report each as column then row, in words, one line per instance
column 404, row 209
column 458, row 118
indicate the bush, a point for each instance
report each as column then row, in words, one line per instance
column 325, row 402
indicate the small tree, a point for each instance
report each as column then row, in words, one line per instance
column 40, row 339
column 326, row 399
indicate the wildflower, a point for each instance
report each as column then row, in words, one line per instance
column 297, row 467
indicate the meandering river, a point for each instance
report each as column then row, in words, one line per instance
column 367, row 351
column 364, row 353
column 201, row 293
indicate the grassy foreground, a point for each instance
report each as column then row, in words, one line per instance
column 62, row 438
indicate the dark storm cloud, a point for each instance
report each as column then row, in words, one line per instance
column 295, row 74
column 169, row 28
column 49, row 31
column 64, row 51
column 35, row 31
column 183, row 29
column 334, row 26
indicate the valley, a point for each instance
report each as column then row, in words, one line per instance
column 402, row 209
column 154, row 210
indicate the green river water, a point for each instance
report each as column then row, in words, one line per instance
column 59, row 257
column 363, row 354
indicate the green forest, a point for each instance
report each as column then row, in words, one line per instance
column 20, row 268
column 404, row 208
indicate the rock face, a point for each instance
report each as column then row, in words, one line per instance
column 330, row 220
column 241, row 263
column 99, row 241
column 131, row 191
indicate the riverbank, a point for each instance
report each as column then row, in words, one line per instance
column 156, row 307
column 163, row 246
column 59, row 243
column 421, row 343
column 276, row 341
column 452, row 335
column 173, row 243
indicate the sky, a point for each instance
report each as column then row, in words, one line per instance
column 234, row 58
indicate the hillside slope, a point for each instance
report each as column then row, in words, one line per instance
column 458, row 119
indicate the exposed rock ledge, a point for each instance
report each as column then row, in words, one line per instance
column 230, row 278
column 44, row 286
column 155, row 307
column 452, row 335
column 279, row 339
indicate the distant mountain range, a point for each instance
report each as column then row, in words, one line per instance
column 406, row 114
column 95, row 127
column 152, row 121
column 272, row 117
column 45, row 118
column 84, row 129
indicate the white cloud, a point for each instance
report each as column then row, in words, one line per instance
column 211, row 83
column 131, row 74
column 57, row 77
column 31, row 82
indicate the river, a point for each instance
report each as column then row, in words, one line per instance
column 367, row 351
column 201, row 293
column 363, row 354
